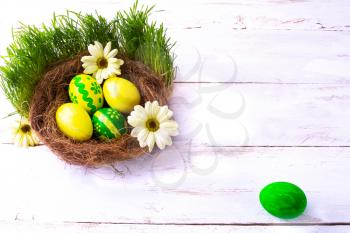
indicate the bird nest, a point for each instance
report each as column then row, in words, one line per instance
column 51, row 92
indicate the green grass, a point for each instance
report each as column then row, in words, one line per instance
column 146, row 41
column 155, row 52
column 34, row 48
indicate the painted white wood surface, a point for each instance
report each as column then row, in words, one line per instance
column 257, row 114
column 262, row 114
column 275, row 44
column 219, row 54
column 182, row 185
column 19, row 227
column 261, row 96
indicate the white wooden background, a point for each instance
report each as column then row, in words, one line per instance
column 262, row 95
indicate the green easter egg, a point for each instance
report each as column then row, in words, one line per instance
column 283, row 200
column 86, row 92
column 109, row 123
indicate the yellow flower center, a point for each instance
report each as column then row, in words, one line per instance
column 25, row 128
column 102, row 63
column 152, row 125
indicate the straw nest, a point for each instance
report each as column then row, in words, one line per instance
column 52, row 91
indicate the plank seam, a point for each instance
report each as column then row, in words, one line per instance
column 215, row 224
column 258, row 83
column 226, row 146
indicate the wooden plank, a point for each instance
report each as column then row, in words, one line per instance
column 20, row 227
column 235, row 14
column 182, row 185
column 257, row 14
column 211, row 49
column 262, row 114
column 257, row 114
column 218, row 54
column 259, row 56
column 193, row 182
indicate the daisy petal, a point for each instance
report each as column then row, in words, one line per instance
column 142, row 137
column 109, row 73
column 112, row 54
column 30, row 140
column 140, row 109
column 148, row 108
column 111, row 70
column 113, row 65
column 116, row 61
column 98, row 45
column 164, row 114
column 90, row 69
column 112, row 60
column 107, row 49
column 24, row 142
column 93, row 50
column 154, row 108
column 138, row 114
column 90, row 59
column 89, row 64
column 104, row 74
column 150, row 141
column 135, row 121
column 99, row 49
column 120, row 62
column 171, row 127
column 98, row 77
column 135, row 131
column 160, row 141
column 118, row 72
column 165, row 136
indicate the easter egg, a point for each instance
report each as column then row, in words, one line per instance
column 109, row 123
column 74, row 122
column 121, row 94
column 85, row 91
column 283, row 200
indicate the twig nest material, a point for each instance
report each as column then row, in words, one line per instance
column 52, row 91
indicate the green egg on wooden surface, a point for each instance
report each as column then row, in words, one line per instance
column 85, row 91
column 109, row 123
column 283, row 200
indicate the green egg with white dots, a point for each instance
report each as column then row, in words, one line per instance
column 109, row 123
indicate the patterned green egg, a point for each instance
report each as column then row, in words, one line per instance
column 109, row 123
column 85, row 91
column 283, row 200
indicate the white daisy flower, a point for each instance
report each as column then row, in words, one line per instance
column 152, row 125
column 23, row 135
column 102, row 62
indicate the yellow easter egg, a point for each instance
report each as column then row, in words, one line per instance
column 121, row 94
column 85, row 91
column 74, row 122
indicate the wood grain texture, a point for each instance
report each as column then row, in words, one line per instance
column 259, row 15
column 182, row 185
column 218, row 54
column 261, row 95
column 236, row 14
column 212, row 47
column 262, row 114
column 20, row 227
column 257, row 114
